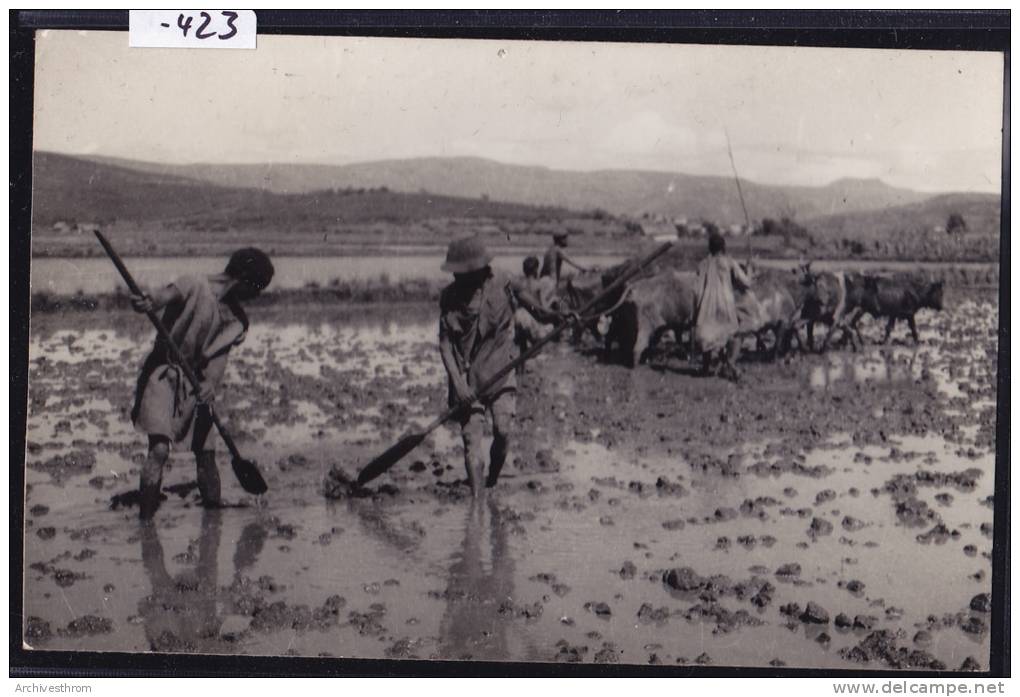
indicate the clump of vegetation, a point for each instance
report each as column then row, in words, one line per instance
column 785, row 227
column 955, row 224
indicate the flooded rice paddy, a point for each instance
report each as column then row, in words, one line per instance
column 92, row 275
column 831, row 511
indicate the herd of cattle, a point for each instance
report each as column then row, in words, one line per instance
column 632, row 321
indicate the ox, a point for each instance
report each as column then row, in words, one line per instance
column 896, row 298
column 651, row 307
column 586, row 286
column 780, row 300
column 829, row 298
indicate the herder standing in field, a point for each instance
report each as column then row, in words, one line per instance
column 717, row 320
column 552, row 263
column 204, row 317
column 476, row 340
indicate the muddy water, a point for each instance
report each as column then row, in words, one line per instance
column 647, row 515
column 69, row 275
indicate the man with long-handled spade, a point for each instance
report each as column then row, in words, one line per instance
column 202, row 320
column 476, row 343
column 476, row 339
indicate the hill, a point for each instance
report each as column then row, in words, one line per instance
column 620, row 192
column 980, row 211
column 164, row 211
column 80, row 190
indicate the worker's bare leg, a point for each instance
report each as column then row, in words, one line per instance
column 471, row 432
column 502, row 412
column 731, row 357
column 152, row 476
column 208, row 473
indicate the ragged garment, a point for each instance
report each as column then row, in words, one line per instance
column 205, row 329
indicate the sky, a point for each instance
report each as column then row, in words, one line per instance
column 929, row 121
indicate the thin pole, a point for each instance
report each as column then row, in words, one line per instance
column 740, row 192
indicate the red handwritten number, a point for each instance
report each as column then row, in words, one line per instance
column 231, row 18
column 184, row 26
column 205, row 23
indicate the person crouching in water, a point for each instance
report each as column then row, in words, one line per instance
column 717, row 320
column 204, row 317
column 476, row 340
column 528, row 328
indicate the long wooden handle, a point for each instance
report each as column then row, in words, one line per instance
column 551, row 336
column 161, row 329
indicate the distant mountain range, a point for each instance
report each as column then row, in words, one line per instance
column 980, row 211
column 72, row 189
column 620, row 192
column 92, row 188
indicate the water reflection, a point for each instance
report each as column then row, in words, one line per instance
column 479, row 591
column 180, row 615
column 879, row 367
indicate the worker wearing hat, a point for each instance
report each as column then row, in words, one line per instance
column 206, row 320
column 476, row 340
column 552, row 262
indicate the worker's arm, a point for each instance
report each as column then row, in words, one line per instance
column 568, row 260
column 457, row 378
column 529, row 302
column 156, row 300
column 741, row 278
column 211, row 374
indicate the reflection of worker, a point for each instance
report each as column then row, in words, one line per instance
column 476, row 340
column 555, row 257
column 204, row 317
column 528, row 328
column 472, row 626
column 718, row 320
column 180, row 613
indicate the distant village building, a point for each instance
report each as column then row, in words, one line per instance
column 62, row 227
column 659, row 229
column 87, row 228
column 689, row 228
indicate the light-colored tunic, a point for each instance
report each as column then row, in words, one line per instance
column 480, row 329
column 717, row 316
column 205, row 329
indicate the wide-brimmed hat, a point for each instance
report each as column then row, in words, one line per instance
column 466, row 255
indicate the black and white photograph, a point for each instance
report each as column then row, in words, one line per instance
column 516, row 351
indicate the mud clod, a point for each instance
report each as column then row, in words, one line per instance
column 969, row 665
column 819, row 528
column 880, row 647
column 814, row 614
column 37, row 630
column 791, row 570
column 88, row 625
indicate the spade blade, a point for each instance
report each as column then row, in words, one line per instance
column 249, row 477
column 389, row 458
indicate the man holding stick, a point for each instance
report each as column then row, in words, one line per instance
column 476, row 340
column 205, row 320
